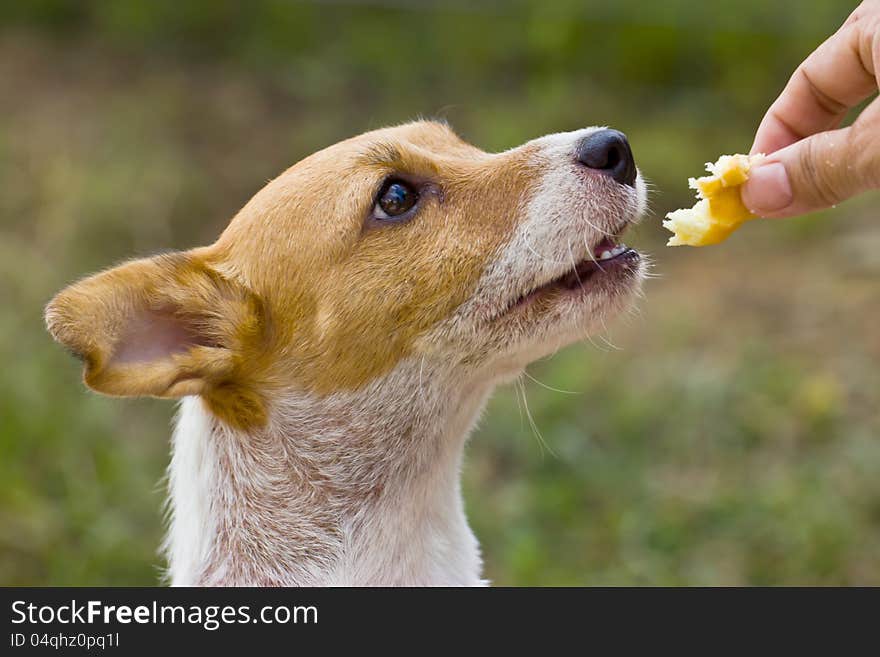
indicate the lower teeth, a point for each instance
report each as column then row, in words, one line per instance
column 613, row 253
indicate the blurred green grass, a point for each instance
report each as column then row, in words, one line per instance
column 729, row 435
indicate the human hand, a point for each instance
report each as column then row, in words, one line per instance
column 812, row 163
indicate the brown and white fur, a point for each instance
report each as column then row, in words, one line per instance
column 332, row 364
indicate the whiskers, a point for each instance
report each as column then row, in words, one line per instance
column 551, row 388
column 574, row 267
column 542, row 443
column 601, row 231
column 605, row 336
column 649, row 267
column 591, row 255
column 554, row 261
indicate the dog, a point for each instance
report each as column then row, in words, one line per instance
column 335, row 346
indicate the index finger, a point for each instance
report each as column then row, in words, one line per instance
column 835, row 77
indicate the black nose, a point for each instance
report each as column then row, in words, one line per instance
column 609, row 151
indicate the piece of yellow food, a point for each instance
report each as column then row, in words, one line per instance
column 720, row 209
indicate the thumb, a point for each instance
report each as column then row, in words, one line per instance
column 811, row 174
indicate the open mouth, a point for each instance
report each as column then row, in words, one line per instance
column 606, row 257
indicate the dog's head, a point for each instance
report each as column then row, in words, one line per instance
column 401, row 242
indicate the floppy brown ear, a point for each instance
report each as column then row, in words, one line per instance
column 166, row 326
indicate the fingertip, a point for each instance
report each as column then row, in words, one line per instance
column 768, row 190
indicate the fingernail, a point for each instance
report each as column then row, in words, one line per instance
column 767, row 189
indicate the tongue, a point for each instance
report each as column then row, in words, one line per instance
column 605, row 245
column 580, row 274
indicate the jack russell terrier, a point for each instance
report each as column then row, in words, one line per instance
column 334, row 347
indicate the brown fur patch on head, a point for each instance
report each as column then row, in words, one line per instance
column 350, row 296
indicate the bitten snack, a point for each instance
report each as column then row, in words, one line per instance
column 720, row 209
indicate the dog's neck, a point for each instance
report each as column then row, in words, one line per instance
column 349, row 489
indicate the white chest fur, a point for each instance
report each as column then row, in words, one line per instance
column 350, row 489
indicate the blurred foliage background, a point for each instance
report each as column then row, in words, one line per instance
column 727, row 434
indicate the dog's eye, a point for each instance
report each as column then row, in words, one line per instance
column 395, row 199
